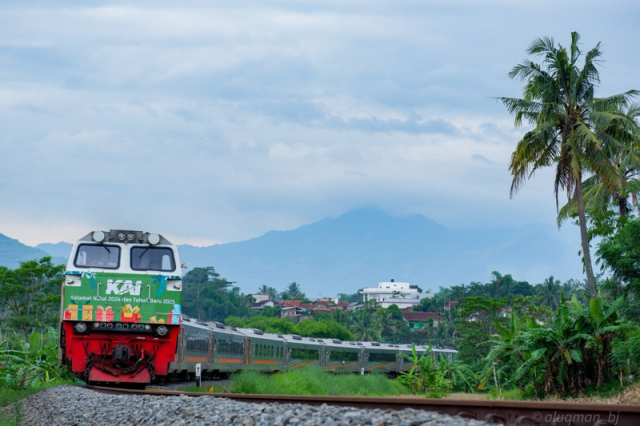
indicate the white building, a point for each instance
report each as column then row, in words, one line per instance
column 394, row 293
column 260, row 297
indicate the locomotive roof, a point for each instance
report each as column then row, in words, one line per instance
column 141, row 237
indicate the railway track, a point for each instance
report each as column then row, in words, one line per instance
column 516, row 413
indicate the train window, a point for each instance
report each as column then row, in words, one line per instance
column 300, row 353
column 152, row 259
column 381, row 357
column 97, row 256
column 196, row 344
column 343, row 356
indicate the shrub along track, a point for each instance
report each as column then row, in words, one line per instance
column 517, row 413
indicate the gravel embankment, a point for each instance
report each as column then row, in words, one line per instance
column 69, row 405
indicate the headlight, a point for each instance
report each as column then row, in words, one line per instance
column 153, row 239
column 121, row 236
column 131, row 237
column 98, row 236
column 162, row 330
column 81, row 327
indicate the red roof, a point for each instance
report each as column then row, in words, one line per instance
column 421, row 316
column 291, row 303
column 343, row 303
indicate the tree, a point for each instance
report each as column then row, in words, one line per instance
column 570, row 124
column 621, row 254
column 476, row 324
column 272, row 292
column 206, row 296
column 606, row 199
column 30, row 295
column 293, row 292
column 366, row 326
column 393, row 326
column 549, row 292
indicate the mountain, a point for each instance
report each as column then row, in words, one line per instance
column 365, row 246
column 12, row 252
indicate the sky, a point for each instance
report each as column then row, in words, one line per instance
column 211, row 122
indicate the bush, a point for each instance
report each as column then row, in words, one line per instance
column 313, row 381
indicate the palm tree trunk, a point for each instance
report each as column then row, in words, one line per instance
column 586, row 251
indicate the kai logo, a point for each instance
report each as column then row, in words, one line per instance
column 124, row 287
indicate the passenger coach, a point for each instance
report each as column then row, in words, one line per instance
column 122, row 322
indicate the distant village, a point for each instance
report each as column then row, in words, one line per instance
column 386, row 294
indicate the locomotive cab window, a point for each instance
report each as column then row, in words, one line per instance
column 97, row 256
column 152, row 259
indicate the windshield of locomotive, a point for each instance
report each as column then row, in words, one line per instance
column 152, row 259
column 97, row 256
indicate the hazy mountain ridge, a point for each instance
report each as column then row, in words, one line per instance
column 12, row 252
column 365, row 246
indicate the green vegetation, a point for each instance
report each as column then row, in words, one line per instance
column 30, row 295
column 31, row 363
column 206, row 296
column 426, row 376
column 575, row 132
column 312, row 381
column 323, row 327
column 28, row 366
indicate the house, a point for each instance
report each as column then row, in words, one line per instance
column 394, row 293
column 261, row 304
column 421, row 319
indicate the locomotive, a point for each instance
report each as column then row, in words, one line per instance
column 122, row 322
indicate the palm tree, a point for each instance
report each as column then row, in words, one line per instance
column 570, row 124
column 389, row 326
column 294, row 291
column 623, row 151
column 549, row 292
column 366, row 327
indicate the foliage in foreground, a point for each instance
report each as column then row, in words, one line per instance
column 426, row 376
column 31, row 363
column 567, row 357
column 313, row 381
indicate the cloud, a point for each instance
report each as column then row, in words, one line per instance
column 218, row 122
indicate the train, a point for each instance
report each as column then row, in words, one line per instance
column 122, row 322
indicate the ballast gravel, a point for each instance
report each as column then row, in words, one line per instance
column 72, row 405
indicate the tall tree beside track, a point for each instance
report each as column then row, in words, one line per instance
column 209, row 297
column 571, row 124
column 30, row 295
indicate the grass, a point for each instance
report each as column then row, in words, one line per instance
column 313, row 381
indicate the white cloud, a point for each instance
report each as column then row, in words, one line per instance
column 217, row 122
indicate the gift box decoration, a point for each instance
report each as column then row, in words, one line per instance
column 130, row 314
column 154, row 320
column 104, row 314
column 71, row 312
column 87, row 313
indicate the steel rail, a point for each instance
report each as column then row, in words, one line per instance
column 511, row 413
